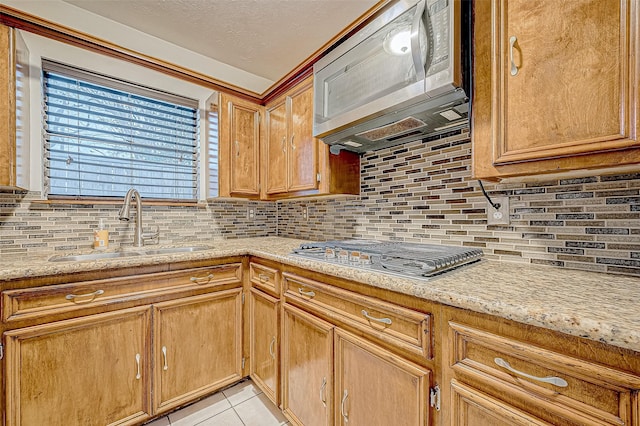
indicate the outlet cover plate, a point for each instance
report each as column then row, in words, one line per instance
column 500, row 216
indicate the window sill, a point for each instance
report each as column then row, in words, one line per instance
column 119, row 202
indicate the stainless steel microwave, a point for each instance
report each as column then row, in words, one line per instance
column 400, row 78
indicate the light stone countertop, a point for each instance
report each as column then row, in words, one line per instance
column 597, row 306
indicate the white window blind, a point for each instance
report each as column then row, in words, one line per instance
column 104, row 136
column 212, row 139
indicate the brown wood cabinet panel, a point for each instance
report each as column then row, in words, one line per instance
column 473, row 408
column 7, row 107
column 557, row 388
column 239, row 145
column 264, row 315
column 374, row 387
column 390, row 323
column 556, row 86
column 265, row 278
column 197, row 346
column 38, row 302
column 303, row 147
column 277, row 148
column 307, row 368
column 91, row 370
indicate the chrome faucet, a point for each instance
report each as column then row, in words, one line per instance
column 124, row 215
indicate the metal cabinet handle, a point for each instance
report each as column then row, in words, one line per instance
column 382, row 320
column 263, row 277
column 202, row 280
column 342, row 411
column 271, row 349
column 237, row 148
column 138, row 376
column 164, row 355
column 512, row 42
column 292, row 144
column 557, row 381
column 284, row 144
column 323, row 397
column 306, row 293
column 91, row 296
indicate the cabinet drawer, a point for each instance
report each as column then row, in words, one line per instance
column 557, row 388
column 47, row 300
column 398, row 326
column 264, row 278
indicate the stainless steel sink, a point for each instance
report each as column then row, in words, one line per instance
column 93, row 256
column 119, row 254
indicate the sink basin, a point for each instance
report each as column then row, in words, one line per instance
column 93, row 256
column 118, row 254
column 171, row 250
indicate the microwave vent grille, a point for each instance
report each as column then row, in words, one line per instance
column 398, row 128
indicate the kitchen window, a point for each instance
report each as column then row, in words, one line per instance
column 104, row 136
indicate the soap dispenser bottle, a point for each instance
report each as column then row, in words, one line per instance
column 100, row 237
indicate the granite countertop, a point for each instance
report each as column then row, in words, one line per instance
column 597, row 306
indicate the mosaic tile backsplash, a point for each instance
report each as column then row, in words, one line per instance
column 27, row 227
column 423, row 192
column 420, row 192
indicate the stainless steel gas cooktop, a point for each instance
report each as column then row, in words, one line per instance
column 412, row 260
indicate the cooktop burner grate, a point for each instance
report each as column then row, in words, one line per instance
column 397, row 258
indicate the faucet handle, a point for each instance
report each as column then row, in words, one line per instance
column 153, row 235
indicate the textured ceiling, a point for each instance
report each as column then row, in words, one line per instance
column 267, row 38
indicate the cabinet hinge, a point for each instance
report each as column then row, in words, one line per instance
column 243, row 363
column 319, row 177
column 243, row 298
column 1, row 352
column 434, row 397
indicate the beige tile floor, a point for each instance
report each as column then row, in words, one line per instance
column 241, row 405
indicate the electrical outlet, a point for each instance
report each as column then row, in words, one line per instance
column 251, row 213
column 501, row 215
column 305, row 213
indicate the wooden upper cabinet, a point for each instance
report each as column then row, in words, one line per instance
column 556, row 86
column 296, row 163
column 239, row 147
column 13, row 105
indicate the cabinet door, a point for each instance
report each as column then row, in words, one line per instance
column 87, row 371
column 307, row 368
column 7, row 108
column 276, row 149
column 264, row 359
column 239, row 147
column 471, row 407
column 375, row 387
column 197, row 346
column 563, row 83
column 303, row 147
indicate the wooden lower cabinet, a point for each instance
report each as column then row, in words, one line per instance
column 197, row 346
column 85, row 371
column 375, row 387
column 307, row 368
column 264, row 342
column 470, row 407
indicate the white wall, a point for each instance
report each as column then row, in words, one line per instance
column 41, row 47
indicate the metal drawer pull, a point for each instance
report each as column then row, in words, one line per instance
column 91, row 296
column 263, row 277
column 514, row 68
column 200, row 280
column 382, row 320
column 323, row 397
column 164, row 355
column 271, row 350
column 138, row 376
column 306, row 293
column 557, row 381
column 344, row 414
